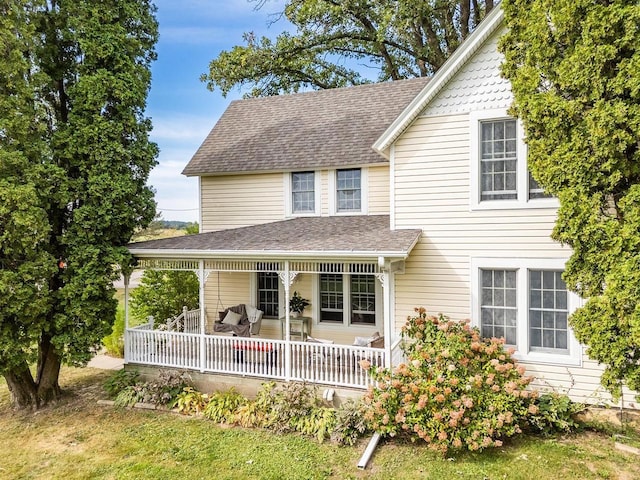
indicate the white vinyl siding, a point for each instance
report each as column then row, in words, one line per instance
column 378, row 190
column 232, row 201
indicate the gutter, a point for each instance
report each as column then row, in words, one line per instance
column 260, row 254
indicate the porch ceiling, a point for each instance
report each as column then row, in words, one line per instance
column 305, row 238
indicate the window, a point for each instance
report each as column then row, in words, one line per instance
column 363, row 299
column 331, row 297
column 526, row 302
column 268, row 290
column 348, row 298
column 348, row 190
column 547, row 311
column 498, row 310
column 500, row 178
column 498, row 160
column 303, row 192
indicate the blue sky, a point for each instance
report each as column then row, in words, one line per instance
column 183, row 111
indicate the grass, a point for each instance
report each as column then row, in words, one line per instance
column 78, row 439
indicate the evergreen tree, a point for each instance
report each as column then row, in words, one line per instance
column 74, row 162
column 575, row 73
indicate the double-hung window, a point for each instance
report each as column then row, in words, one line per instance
column 303, row 192
column 348, row 298
column 268, row 290
column 499, row 174
column 526, row 302
column 498, row 160
column 349, row 190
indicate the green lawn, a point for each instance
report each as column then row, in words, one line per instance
column 78, row 439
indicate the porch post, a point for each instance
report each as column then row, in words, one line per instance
column 384, row 277
column 203, row 318
column 287, row 322
column 287, row 278
column 127, row 277
column 388, row 328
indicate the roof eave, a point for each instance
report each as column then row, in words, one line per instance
column 261, row 254
column 439, row 80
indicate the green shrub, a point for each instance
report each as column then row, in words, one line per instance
column 554, row 413
column 350, row 423
column 162, row 391
column 456, row 391
column 114, row 342
column 119, row 381
column 128, row 397
column 320, row 422
column 222, row 406
column 287, row 403
column 190, row 401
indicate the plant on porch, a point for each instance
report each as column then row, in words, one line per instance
column 297, row 303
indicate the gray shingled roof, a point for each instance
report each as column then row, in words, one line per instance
column 325, row 128
column 297, row 236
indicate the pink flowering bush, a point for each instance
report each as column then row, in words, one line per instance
column 456, row 391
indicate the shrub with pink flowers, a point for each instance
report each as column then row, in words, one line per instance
column 456, row 391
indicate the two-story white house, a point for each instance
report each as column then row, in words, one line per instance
column 370, row 201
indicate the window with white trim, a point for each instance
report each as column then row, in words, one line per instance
column 303, row 192
column 349, row 190
column 500, row 177
column 498, row 160
column 526, row 302
column 348, row 298
column 268, row 290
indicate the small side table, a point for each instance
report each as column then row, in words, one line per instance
column 300, row 327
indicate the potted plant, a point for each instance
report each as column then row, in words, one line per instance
column 297, row 304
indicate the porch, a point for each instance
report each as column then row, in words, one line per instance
column 318, row 363
column 345, row 265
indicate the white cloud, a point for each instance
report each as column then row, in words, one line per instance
column 188, row 129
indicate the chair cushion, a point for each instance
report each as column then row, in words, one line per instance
column 232, row 318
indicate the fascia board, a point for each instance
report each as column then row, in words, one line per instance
column 439, row 80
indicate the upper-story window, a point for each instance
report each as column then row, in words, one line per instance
column 349, row 190
column 499, row 175
column 303, row 192
column 498, row 160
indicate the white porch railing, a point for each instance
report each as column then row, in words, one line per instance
column 188, row 321
column 326, row 364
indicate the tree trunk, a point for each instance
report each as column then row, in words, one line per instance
column 22, row 388
column 27, row 393
column 48, row 372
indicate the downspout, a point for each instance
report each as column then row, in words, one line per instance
column 201, row 279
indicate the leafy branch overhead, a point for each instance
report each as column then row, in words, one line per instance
column 336, row 40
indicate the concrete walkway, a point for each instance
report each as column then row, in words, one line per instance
column 105, row 362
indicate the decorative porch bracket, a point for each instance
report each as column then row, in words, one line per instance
column 203, row 273
column 287, row 279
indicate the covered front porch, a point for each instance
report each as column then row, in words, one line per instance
column 230, row 269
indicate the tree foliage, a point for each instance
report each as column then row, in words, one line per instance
column 163, row 293
column 398, row 38
column 575, row 73
column 74, row 161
